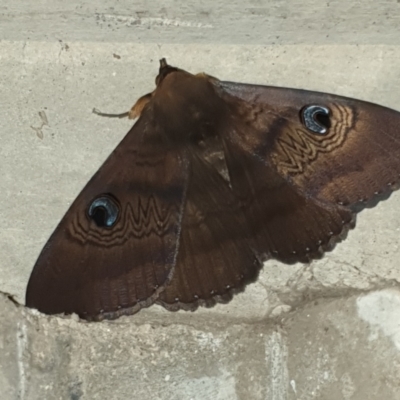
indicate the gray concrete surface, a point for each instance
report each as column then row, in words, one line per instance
column 171, row 21
column 328, row 349
column 329, row 330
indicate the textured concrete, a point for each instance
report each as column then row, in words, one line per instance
column 193, row 21
column 344, row 348
column 329, row 330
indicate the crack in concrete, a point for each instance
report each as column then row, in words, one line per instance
column 22, row 341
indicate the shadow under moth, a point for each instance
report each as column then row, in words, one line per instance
column 213, row 179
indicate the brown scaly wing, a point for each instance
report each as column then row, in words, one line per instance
column 355, row 162
column 215, row 258
column 115, row 249
column 285, row 223
column 231, row 224
column 229, row 228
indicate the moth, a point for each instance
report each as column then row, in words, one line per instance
column 213, row 179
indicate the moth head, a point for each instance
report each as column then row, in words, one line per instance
column 165, row 69
column 187, row 106
column 104, row 211
column 316, row 118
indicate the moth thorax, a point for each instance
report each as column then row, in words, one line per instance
column 188, row 106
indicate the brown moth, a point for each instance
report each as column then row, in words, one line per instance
column 213, row 179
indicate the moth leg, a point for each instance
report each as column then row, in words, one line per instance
column 138, row 107
column 98, row 112
column 133, row 113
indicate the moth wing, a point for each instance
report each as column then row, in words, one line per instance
column 215, row 257
column 231, row 226
column 106, row 271
column 285, row 223
column 355, row 163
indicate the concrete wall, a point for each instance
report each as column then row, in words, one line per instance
column 329, row 330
